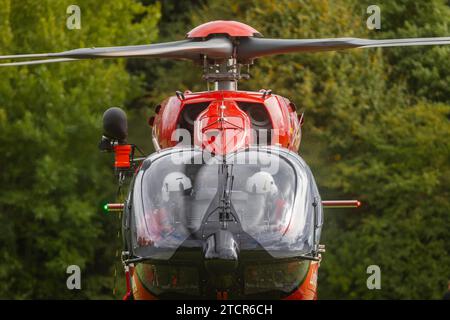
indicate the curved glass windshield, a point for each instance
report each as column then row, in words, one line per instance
column 178, row 194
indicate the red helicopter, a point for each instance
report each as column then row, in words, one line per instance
column 225, row 208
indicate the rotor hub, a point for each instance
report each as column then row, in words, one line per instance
column 223, row 27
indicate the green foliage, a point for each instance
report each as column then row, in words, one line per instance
column 53, row 177
column 399, row 168
column 424, row 69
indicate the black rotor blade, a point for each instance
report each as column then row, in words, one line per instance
column 27, row 63
column 251, row 48
column 217, row 48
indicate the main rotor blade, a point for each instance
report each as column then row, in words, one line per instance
column 217, row 48
column 26, row 63
column 251, row 48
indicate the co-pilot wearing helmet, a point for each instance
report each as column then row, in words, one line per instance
column 265, row 205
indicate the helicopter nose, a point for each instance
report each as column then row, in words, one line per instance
column 221, row 245
column 221, row 259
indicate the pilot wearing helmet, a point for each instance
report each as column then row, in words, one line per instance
column 264, row 202
column 166, row 217
column 261, row 183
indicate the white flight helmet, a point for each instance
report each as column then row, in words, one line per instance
column 175, row 182
column 261, row 183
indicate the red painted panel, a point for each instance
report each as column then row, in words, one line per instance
column 232, row 28
column 285, row 133
column 308, row 289
column 223, row 128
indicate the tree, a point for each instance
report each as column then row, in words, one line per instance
column 394, row 156
column 424, row 69
column 53, row 177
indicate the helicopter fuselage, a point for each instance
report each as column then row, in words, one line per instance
column 253, row 119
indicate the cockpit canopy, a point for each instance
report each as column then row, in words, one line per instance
column 266, row 197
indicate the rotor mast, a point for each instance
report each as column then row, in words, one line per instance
column 224, row 74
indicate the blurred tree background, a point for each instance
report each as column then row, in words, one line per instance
column 53, row 177
column 377, row 129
